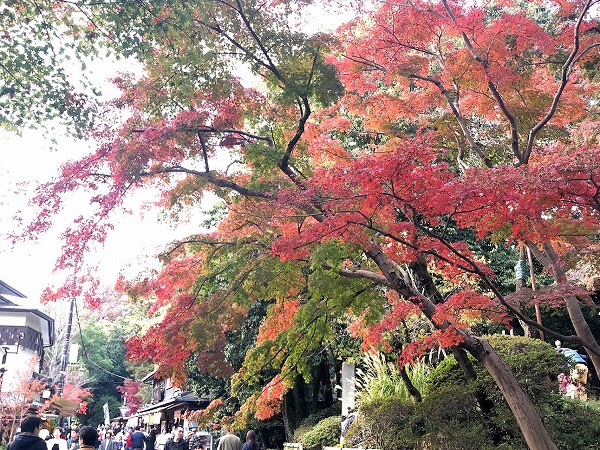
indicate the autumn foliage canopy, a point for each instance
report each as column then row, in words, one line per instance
column 360, row 173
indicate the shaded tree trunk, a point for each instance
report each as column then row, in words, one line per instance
column 550, row 261
column 300, row 408
column 520, row 277
column 527, row 417
column 323, row 384
column 287, row 411
column 412, row 390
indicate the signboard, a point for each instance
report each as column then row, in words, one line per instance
column 348, row 388
column 106, row 414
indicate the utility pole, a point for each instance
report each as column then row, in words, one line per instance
column 65, row 355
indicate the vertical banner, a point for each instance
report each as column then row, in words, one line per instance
column 73, row 353
column 106, row 414
column 348, row 388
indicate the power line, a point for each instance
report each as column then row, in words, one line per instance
column 85, row 354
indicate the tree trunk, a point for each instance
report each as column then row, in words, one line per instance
column 287, row 409
column 412, row 390
column 300, row 409
column 535, row 434
column 326, row 383
column 520, row 277
column 582, row 329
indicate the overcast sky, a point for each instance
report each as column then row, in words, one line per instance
column 28, row 266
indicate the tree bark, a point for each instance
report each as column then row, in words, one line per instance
column 527, row 417
column 582, row 329
column 519, row 284
column 287, row 409
column 326, row 383
column 412, row 390
column 551, row 263
column 300, row 409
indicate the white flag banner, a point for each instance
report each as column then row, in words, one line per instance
column 106, row 414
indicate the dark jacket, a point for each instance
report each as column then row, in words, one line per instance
column 137, row 439
column 181, row 444
column 28, row 441
column 151, row 441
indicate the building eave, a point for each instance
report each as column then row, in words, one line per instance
column 150, row 376
column 46, row 318
column 185, row 398
column 9, row 290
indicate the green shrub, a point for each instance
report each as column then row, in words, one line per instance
column 451, row 417
column 573, row 424
column 326, row 433
column 383, row 424
column 535, row 363
column 309, row 422
column 315, row 418
column 455, row 436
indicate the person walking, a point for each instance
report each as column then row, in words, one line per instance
column 118, row 440
column 177, row 442
column 28, row 438
column 73, row 441
column 138, row 439
column 151, row 439
column 251, row 443
column 230, row 441
column 127, row 441
column 88, row 436
column 56, row 443
column 108, row 443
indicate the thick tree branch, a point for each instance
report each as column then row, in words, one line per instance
column 564, row 79
column 458, row 115
column 219, row 182
column 304, row 107
column 364, row 274
column 204, row 152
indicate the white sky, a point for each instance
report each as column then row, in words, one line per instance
column 28, row 266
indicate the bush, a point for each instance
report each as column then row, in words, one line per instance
column 315, row 418
column 573, row 424
column 451, row 417
column 455, row 436
column 384, row 424
column 312, row 420
column 326, row 433
column 535, row 363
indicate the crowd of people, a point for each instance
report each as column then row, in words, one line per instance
column 32, row 436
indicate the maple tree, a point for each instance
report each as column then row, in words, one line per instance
column 19, row 394
column 39, row 80
column 130, row 389
column 23, row 391
column 429, row 116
